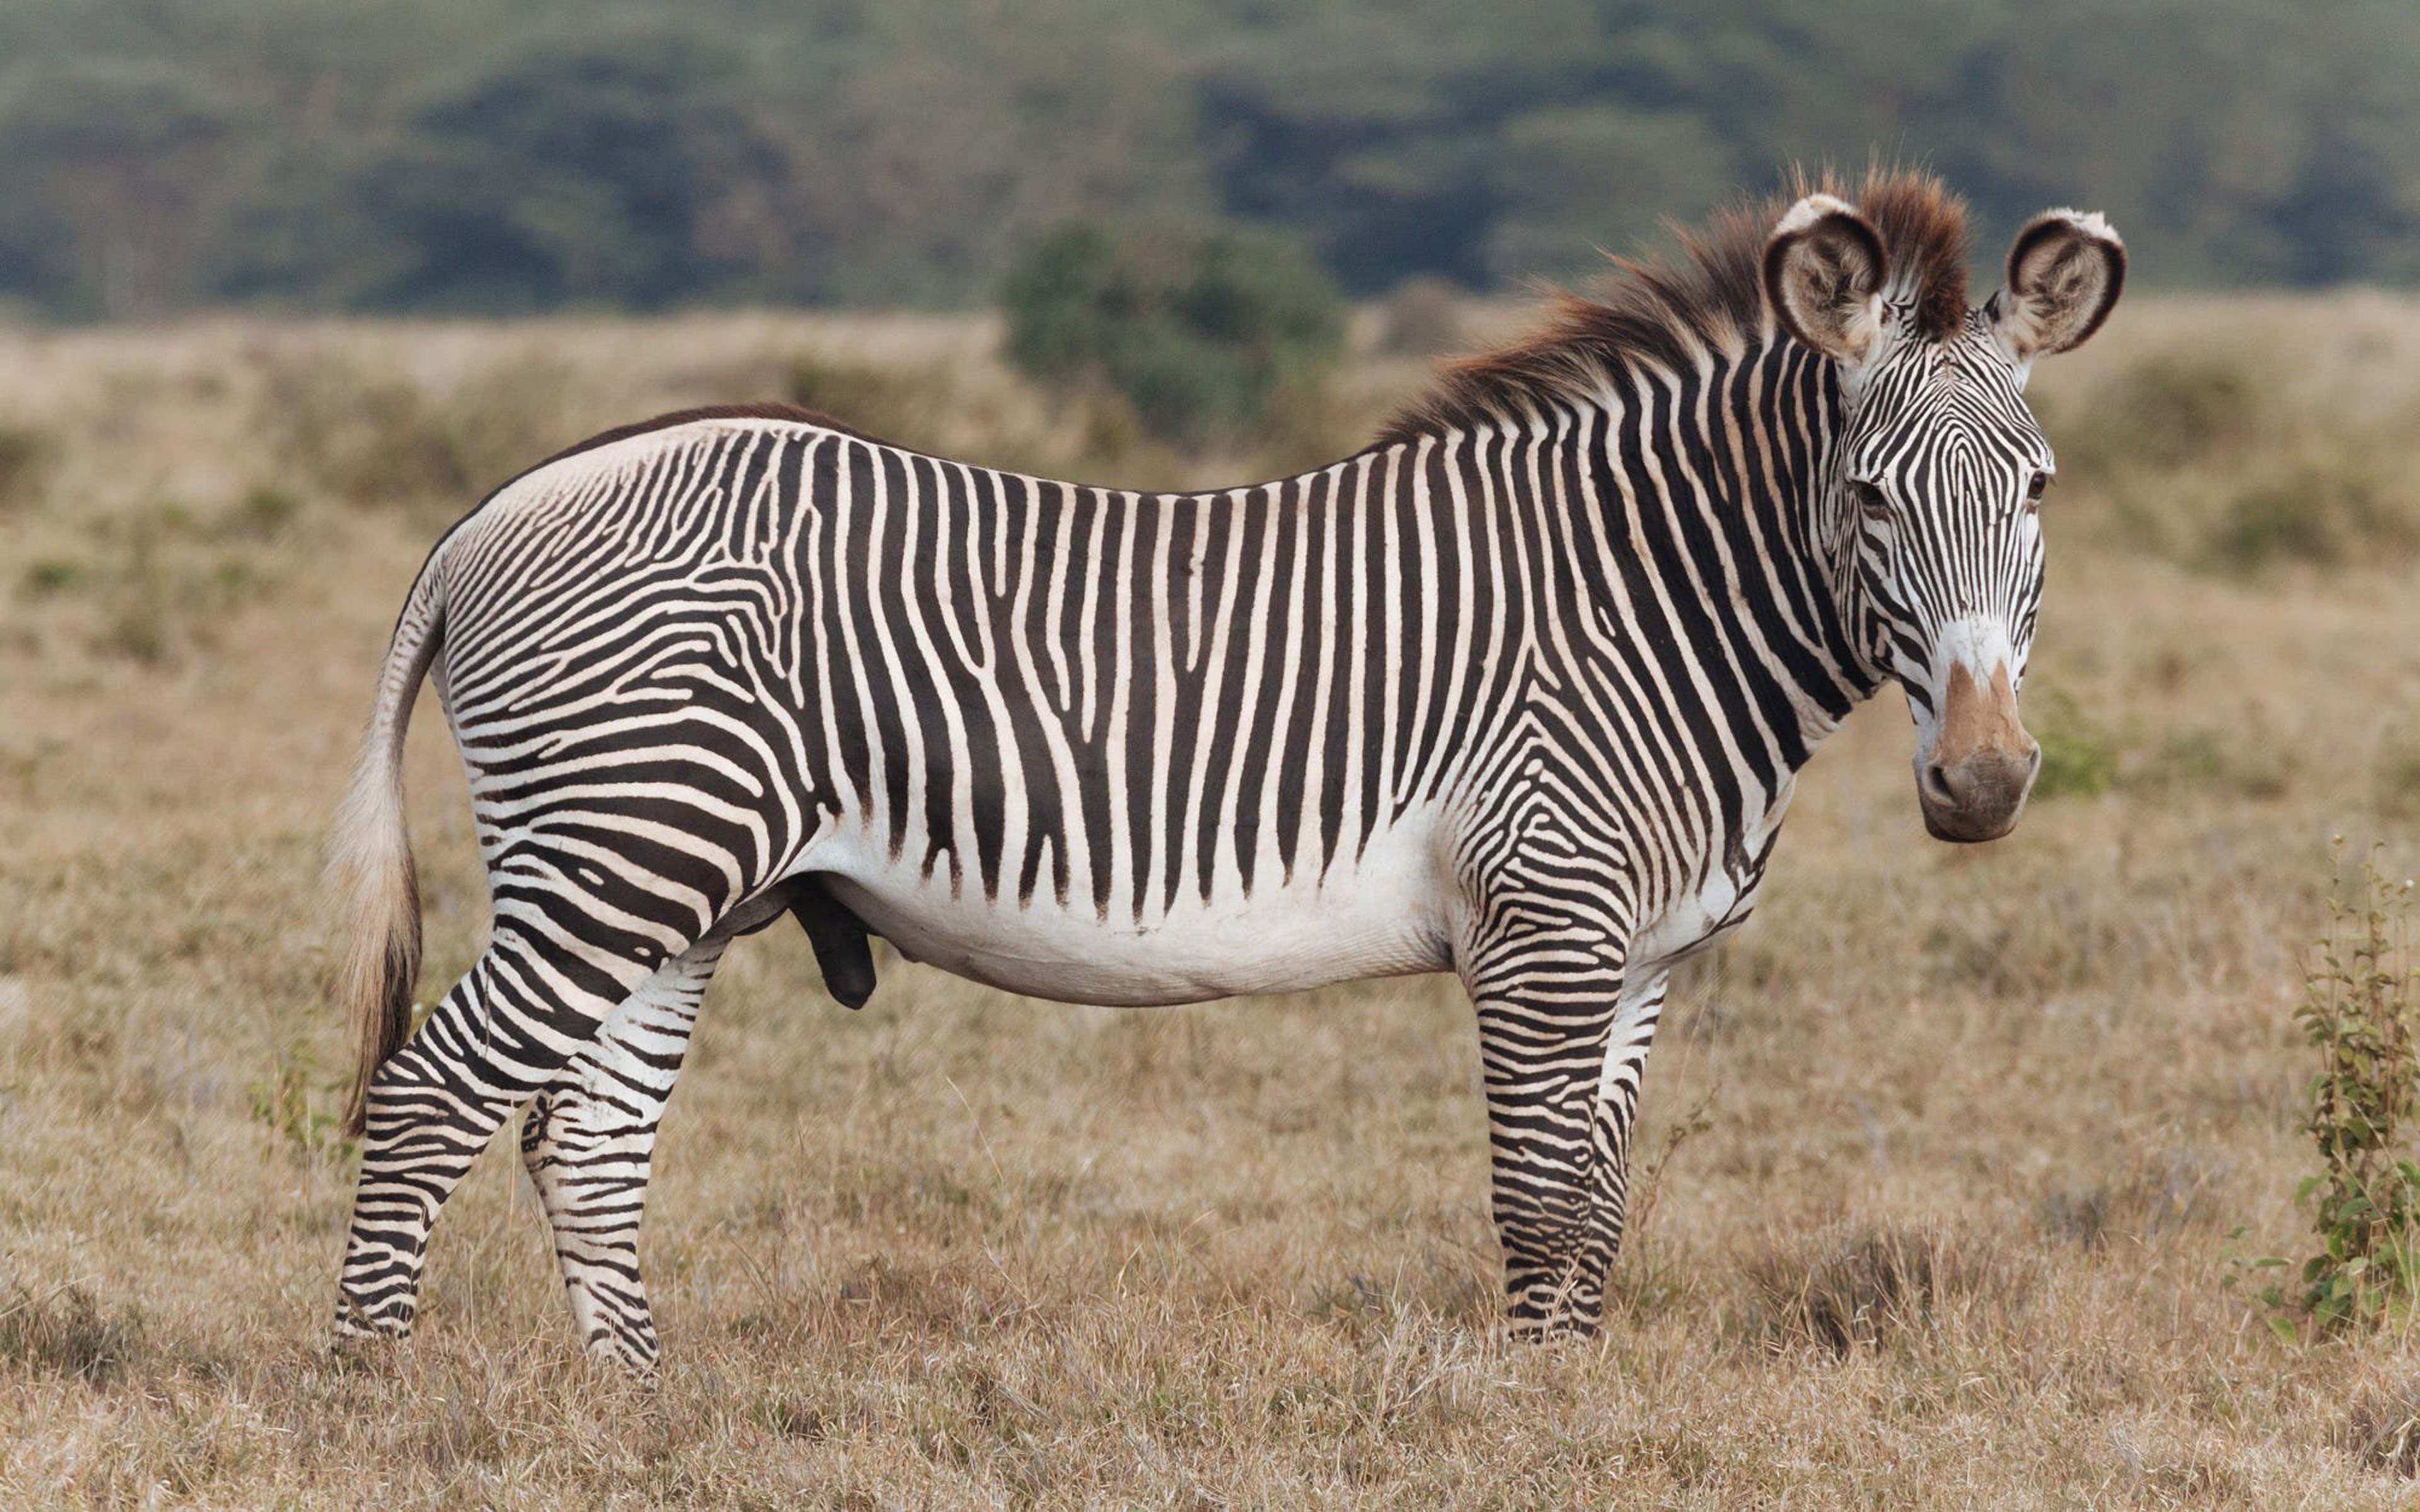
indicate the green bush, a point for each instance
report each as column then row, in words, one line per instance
column 2361, row 1012
column 1198, row 331
column 2250, row 761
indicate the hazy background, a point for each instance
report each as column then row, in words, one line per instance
column 495, row 156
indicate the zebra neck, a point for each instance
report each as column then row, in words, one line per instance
column 1719, row 538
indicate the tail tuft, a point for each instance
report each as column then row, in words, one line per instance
column 376, row 885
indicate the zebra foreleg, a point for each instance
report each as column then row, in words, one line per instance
column 1636, row 1013
column 500, row 1034
column 588, row 1140
column 1548, row 1005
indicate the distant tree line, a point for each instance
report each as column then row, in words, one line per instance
column 509, row 155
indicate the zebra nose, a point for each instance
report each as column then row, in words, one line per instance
column 1974, row 780
column 1978, row 795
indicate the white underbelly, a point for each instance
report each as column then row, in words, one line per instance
column 1378, row 915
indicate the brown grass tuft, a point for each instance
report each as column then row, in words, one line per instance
column 66, row 1331
column 2382, row 1431
column 1879, row 1286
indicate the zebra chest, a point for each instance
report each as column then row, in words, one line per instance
column 1720, row 901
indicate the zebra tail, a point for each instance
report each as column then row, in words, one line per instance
column 370, row 870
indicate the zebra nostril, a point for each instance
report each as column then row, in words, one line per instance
column 1936, row 783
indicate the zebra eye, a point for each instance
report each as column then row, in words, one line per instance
column 2035, row 491
column 1872, row 502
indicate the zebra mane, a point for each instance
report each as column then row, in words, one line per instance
column 1707, row 297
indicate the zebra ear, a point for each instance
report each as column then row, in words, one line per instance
column 1824, row 275
column 2065, row 272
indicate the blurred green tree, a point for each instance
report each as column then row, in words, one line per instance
column 1200, row 330
column 460, row 154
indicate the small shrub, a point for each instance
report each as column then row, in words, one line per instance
column 2248, row 763
column 135, row 611
column 283, row 1103
column 1201, row 331
column 2398, row 780
column 363, row 438
column 263, row 514
column 2359, row 1009
column 2173, row 410
column 2326, row 506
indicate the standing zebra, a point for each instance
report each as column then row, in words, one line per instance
column 1519, row 692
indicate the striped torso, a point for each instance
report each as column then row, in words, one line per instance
column 1138, row 747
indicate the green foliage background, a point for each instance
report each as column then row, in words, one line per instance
column 1201, row 331
column 506, row 155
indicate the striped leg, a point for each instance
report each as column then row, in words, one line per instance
column 504, row 1031
column 1548, row 999
column 588, row 1139
column 1637, row 1013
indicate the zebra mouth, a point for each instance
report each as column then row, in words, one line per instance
column 1979, row 795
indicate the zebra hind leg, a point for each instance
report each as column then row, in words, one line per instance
column 588, row 1139
column 533, row 998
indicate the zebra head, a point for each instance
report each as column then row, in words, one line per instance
column 1939, row 471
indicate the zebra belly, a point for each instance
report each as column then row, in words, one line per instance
column 1378, row 917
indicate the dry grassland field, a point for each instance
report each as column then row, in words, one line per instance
column 1948, row 1152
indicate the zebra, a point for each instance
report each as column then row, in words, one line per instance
column 1519, row 691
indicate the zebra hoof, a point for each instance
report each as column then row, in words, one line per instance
column 1554, row 1330
column 640, row 1361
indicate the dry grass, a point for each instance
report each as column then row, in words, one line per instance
column 1978, row 1121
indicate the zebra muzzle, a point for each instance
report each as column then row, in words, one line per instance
column 1974, row 779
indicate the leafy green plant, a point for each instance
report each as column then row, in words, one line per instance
column 52, row 575
column 2360, row 1003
